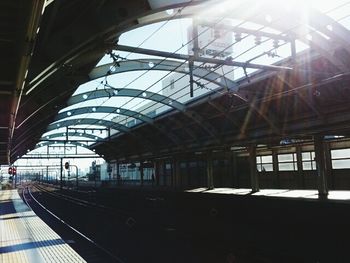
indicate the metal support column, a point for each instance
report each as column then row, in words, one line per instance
column 178, row 173
column 210, row 177
column 61, row 174
column 141, row 173
column 47, row 174
column 328, row 160
column 77, row 176
column 235, row 170
column 118, row 174
column 276, row 175
column 164, row 173
column 321, row 166
column 15, row 178
column 300, row 181
column 254, row 180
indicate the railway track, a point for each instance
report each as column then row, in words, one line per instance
column 137, row 234
column 90, row 250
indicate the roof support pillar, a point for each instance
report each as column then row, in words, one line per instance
column 254, row 180
column 276, row 177
column 141, row 173
column 300, row 181
column 156, row 172
column 210, row 177
column 61, row 173
column 321, row 166
column 176, row 173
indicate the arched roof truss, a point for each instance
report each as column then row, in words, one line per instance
column 161, row 64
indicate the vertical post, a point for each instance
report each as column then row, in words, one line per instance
column 328, row 160
column 15, row 177
column 293, row 51
column 230, row 176
column 300, row 181
column 156, row 172
column 141, row 173
column 77, row 179
column 190, row 65
column 276, row 174
column 47, row 174
column 210, row 178
column 172, row 173
column 118, row 174
column 61, row 174
column 195, row 53
column 321, row 166
column 164, row 173
column 235, row 170
column 253, row 171
column 178, row 175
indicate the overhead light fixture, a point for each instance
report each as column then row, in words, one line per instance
column 144, row 94
column 69, row 113
column 169, row 11
column 118, row 110
column 257, row 40
column 151, row 64
column 268, row 18
column 94, row 109
column 329, row 27
column 85, row 96
column 238, row 37
column 112, row 69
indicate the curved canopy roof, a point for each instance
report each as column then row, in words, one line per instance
column 179, row 75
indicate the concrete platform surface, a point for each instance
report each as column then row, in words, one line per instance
column 24, row 237
column 284, row 193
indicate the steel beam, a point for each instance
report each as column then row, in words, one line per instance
column 125, row 92
column 163, row 65
column 119, row 111
column 88, row 121
column 215, row 61
column 63, row 134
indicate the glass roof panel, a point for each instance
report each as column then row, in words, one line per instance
column 258, row 35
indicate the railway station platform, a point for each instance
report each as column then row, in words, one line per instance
column 278, row 193
column 24, row 237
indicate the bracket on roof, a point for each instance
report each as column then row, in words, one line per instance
column 246, row 74
column 190, row 65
